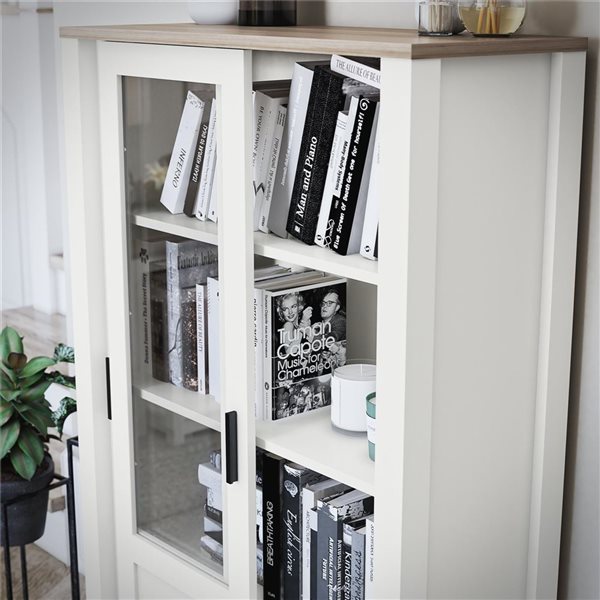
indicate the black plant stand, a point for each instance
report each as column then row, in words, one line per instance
column 61, row 480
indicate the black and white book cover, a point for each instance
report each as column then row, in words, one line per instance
column 364, row 69
column 331, row 516
column 368, row 242
column 180, row 165
column 305, row 338
column 295, row 477
column 358, row 535
column 348, row 211
column 315, row 150
column 273, row 567
column 188, row 263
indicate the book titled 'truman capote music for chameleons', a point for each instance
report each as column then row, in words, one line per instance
column 305, row 338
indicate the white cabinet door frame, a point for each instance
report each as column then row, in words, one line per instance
column 230, row 71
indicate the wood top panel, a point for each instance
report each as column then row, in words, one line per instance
column 358, row 41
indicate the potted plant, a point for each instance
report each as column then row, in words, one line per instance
column 25, row 418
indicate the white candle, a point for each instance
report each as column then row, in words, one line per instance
column 350, row 386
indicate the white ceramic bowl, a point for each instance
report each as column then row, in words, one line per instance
column 213, row 12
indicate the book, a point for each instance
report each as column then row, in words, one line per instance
column 348, row 210
column 188, row 263
column 159, row 331
column 363, row 69
column 331, row 516
column 370, row 558
column 148, row 256
column 213, row 548
column 273, row 567
column 278, row 280
column 208, row 166
column 271, row 168
column 311, row 493
column 357, row 533
column 212, row 318
column 189, row 338
column 368, row 242
column 285, row 175
column 202, row 338
column 335, row 170
column 295, row 477
column 304, row 339
column 327, row 99
column 213, row 204
column 180, row 165
column 211, row 479
column 267, row 97
column 207, row 94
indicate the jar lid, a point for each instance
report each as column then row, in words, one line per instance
column 356, row 372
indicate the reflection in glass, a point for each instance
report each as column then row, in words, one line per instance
column 172, row 455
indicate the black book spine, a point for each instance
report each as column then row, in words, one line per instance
column 314, row 157
column 290, row 547
column 158, row 318
column 192, row 191
column 344, row 210
column 213, row 513
column 272, row 527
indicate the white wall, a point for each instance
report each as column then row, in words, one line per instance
column 580, row 545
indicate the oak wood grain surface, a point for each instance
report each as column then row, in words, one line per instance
column 358, row 41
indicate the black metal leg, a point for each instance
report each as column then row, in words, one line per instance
column 75, row 593
column 7, row 570
column 24, row 573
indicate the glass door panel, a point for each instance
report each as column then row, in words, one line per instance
column 176, row 421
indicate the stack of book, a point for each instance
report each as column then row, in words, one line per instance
column 170, row 311
column 315, row 156
column 210, row 479
column 318, row 535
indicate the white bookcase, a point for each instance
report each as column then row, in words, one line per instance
column 468, row 312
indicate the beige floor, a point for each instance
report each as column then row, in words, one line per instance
column 48, row 578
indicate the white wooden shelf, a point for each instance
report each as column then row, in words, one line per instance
column 310, row 440
column 194, row 406
column 181, row 225
column 270, row 246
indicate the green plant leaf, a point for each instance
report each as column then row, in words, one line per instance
column 16, row 360
column 10, row 341
column 36, row 392
column 23, row 464
column 6, row 412
column 29, row 382
column 9, row 395
column 66, row 407
column 20, row 407
column 8, row 373
column 38, row 419
column 35, row 366
column 9, row 434
column 64, row 353
column 31, row 444
column 58, row 377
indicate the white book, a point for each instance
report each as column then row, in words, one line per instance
column 371, row 224
column 212, row 312
column 210, row 525
column 208, row 166
column 213, row 205
column 290, row 147
column 339, row 141
column 272, row 168
column 265, row 112
column 180, row 165
column 202, row 338
column 212, row 480
column 370, row 558
column 365, row 70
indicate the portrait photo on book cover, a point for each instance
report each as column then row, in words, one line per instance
column 308, row 342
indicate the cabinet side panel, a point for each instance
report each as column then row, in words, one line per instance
column 151, row 587
column 493, row 140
